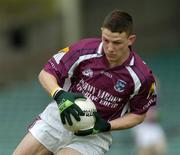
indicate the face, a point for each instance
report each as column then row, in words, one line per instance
column 116, row 46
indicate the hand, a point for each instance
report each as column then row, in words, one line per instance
column 65, row 101
column 100, row 126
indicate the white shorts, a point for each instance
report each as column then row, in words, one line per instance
column 50, row 132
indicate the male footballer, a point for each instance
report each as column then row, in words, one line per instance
column 109, row 72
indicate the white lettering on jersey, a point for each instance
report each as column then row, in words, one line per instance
column 99, row 95
column 106, row 74
column 150, row 102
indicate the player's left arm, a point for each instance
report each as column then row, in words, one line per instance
column 138, row 105
column 127, row 121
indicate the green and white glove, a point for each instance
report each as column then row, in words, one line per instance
column 67, row 107
column 100, row 126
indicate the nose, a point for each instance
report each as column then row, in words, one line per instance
column 110, row 47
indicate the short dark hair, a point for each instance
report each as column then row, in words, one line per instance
column 119, row 21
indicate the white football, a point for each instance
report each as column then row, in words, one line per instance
column 87, row 121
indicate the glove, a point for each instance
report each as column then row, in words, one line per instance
column 65, row 101
column 100, row 126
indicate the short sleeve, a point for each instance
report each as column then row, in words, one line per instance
column 145, row 98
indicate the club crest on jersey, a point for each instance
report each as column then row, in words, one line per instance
column 88, row 72
column 120, row 85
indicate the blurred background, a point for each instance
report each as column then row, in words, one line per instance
column 31, row 31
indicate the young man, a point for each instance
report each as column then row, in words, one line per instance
column 103, row 69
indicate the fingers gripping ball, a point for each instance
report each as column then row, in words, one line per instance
column 88, row 120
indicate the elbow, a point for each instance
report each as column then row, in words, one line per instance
column 41, row 75
column 141, row 119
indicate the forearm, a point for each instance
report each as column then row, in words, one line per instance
column 127, row 121
column 48, row 81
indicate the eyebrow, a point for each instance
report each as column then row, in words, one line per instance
column 118, row 40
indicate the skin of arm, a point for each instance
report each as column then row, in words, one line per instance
column 127, row 121
column 48, row 81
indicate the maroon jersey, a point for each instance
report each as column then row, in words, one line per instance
column 83, row 68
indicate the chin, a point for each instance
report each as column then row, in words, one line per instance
column 111, row 59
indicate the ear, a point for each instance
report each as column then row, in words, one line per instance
column 131, row 39
column 102, row 28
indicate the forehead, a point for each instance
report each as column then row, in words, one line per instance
column 113, row 35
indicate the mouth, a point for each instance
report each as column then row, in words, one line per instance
column 111, row 56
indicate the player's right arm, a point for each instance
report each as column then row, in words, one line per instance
column 48, row 82
column 54, row 75
column 65, row 100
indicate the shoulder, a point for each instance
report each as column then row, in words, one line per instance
column 87, row 43
column 79, row 51
column 144, row 94
column 142, row 69
column 83, row 47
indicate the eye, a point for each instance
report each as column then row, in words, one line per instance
column 117, row 42
column 105, row 40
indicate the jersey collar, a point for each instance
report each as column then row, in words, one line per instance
column 100, row 48
column 131, row 63
column 128, row 62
